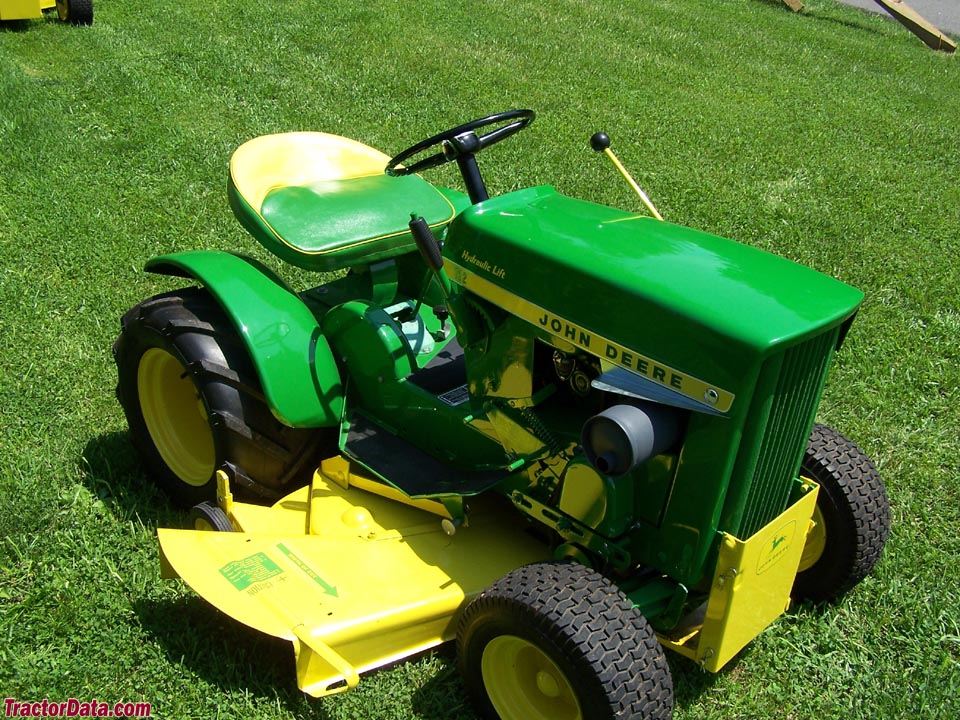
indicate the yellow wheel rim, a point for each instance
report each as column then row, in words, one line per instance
column 175, row 417
column 523, row 683
column 816, row 542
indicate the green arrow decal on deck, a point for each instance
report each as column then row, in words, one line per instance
column 308, row 571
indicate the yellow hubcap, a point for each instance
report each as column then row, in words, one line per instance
column 175, row 417
column 816, row 542
column 523, row 683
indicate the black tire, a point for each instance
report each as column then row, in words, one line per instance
column 75, row 12
column 550, row 640
column 210, row 516
column 194, row 403
column 853, row 516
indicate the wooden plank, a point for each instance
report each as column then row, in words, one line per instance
column 912, row 20
column 795, row 5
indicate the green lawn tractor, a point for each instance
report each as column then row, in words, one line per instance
column 563, row 435
column 77, row 12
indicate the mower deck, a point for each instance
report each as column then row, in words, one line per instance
column 353, row 579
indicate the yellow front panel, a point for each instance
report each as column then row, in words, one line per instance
column 751, row 586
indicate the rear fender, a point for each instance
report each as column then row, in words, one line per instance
column 293, row 359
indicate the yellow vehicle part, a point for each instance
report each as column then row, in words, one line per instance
column 24, row 9
column 354, row 580
column 175, row 416
column 816, row 542
column 523, row 682
column 272, row 161
column 751, row 586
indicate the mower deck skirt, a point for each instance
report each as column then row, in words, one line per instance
column 355, row 581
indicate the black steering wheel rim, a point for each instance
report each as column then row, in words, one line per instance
column 516, row 121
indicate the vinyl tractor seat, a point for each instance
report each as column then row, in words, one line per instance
column 323, row 202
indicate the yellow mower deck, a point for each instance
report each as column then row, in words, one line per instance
column 356, row 575
column 354, row 580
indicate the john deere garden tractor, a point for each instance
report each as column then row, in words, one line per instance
column 564, row 435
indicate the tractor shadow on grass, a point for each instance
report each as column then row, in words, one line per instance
column 195, row 635
column 191, row 632
column 113, row 473
column 243, row 661
column 442, row 697
column 15, row 26
column 226, row 654
column 690, row 681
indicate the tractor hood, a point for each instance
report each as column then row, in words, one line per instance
column 677, row 304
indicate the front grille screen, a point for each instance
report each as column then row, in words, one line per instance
column 782, row 439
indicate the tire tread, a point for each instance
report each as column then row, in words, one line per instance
column 851, row 481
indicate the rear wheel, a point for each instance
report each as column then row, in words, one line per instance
column 852, row 517
column 194, row 403
column 556, row 641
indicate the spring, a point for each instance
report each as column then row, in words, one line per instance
column 541, row 431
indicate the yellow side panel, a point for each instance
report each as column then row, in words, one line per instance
column 751, row 586
column 22, row 9
column 354, row 580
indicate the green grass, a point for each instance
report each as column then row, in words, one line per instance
column 829, row 137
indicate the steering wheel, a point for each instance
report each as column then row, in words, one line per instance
column 461, row 142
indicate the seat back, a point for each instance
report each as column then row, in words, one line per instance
column 323, row 202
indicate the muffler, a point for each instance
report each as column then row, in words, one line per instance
column 623, row 436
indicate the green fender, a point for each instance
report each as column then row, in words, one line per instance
column 291, row 355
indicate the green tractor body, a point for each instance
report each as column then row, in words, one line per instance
column 736, row 340
column 640, row 393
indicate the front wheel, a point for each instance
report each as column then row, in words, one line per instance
column 851, row 518
column 194, row 403
column 557, row 641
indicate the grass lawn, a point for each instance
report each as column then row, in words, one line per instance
column 830, row 137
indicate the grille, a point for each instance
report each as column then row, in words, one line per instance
column 797, row 377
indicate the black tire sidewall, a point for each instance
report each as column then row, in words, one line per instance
column 853, row 504
column 837, row 558
column 212, row 514
column 75, row 12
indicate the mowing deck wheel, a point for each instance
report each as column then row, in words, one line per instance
column 209, row 516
